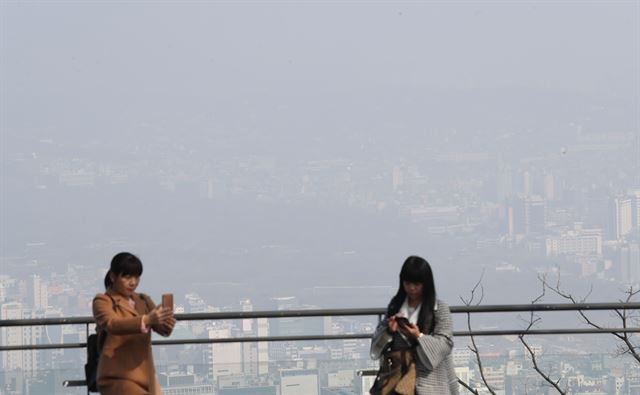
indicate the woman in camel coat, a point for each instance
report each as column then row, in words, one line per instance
column 127, row 318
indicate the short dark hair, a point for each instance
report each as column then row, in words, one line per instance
column 125, row 264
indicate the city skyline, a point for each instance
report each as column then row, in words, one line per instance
column 291, row 155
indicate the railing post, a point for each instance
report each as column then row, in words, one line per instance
column 87, row 351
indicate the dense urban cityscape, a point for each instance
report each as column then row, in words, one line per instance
column 519, row 210
column 275, row 156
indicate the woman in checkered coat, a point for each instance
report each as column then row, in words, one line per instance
column 429, row 330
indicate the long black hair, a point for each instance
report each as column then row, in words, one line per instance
column 417, row 270
column 125, row 264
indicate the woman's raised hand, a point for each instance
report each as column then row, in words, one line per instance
column 166, row 328
column 158, row 316
column 411, row 331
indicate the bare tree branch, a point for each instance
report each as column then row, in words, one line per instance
column 625, row 337
column 474, row 347
column 532, row 354
column 558, row 291
column 629, row 347
column 465, row 385
column 533, row 320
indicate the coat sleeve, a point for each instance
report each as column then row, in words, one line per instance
column 433, row 349
column 381, row 337
column 109, row 320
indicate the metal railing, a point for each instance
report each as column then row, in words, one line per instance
column 379, row 312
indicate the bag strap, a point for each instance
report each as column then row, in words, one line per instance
column 113, row 301
column 146, row 303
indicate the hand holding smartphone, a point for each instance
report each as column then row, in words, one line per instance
column 402, row 321
column 167, row 301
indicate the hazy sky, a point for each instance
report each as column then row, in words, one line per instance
column 288, row 79
column 86, row 68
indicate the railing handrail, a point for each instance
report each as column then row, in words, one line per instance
column 497, row 332
column 507, row 308
column 461, row 309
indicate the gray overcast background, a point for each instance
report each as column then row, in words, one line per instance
column 247, row 93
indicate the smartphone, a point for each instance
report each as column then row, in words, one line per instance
column 402, row 321
column 167, row 301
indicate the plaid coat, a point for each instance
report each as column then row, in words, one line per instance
column 434, row 365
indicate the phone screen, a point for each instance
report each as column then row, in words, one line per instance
column 402, row 321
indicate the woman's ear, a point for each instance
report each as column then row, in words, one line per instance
column 112, row 277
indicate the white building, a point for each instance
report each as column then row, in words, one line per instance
column 226, row 358
column 630, row 263
column 623, row 216
column 263, row 347
column 38, row 293
column 26, row 360
column 577, row 241
column 299, row 382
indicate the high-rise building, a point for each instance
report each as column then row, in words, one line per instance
column 250, row 359
column 504, row 182
column 638, row 159
column 11, row 336
column 263, row 347
column 515, row 217
column 249, row 350
column 535, row 211
column 26, row 360
column 527, row 183
column 247, row 324
column 635, row 199
column 225, row 358
column 630, row 263
column 6, row 285
column 38, row 293
column 526, row 215
column 598, row 211
column 549, row 187
column 622, row 216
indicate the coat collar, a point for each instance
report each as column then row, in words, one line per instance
column 123, row 303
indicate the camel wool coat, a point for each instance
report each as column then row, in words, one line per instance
column 126, row 361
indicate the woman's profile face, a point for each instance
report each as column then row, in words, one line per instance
column 125, row 284
column 413, row 290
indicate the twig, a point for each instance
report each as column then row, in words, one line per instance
column 533, row 320
column 474, row 347
column 546, row 377
column 624, row 317
column 465, row 385
column 624, row 337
